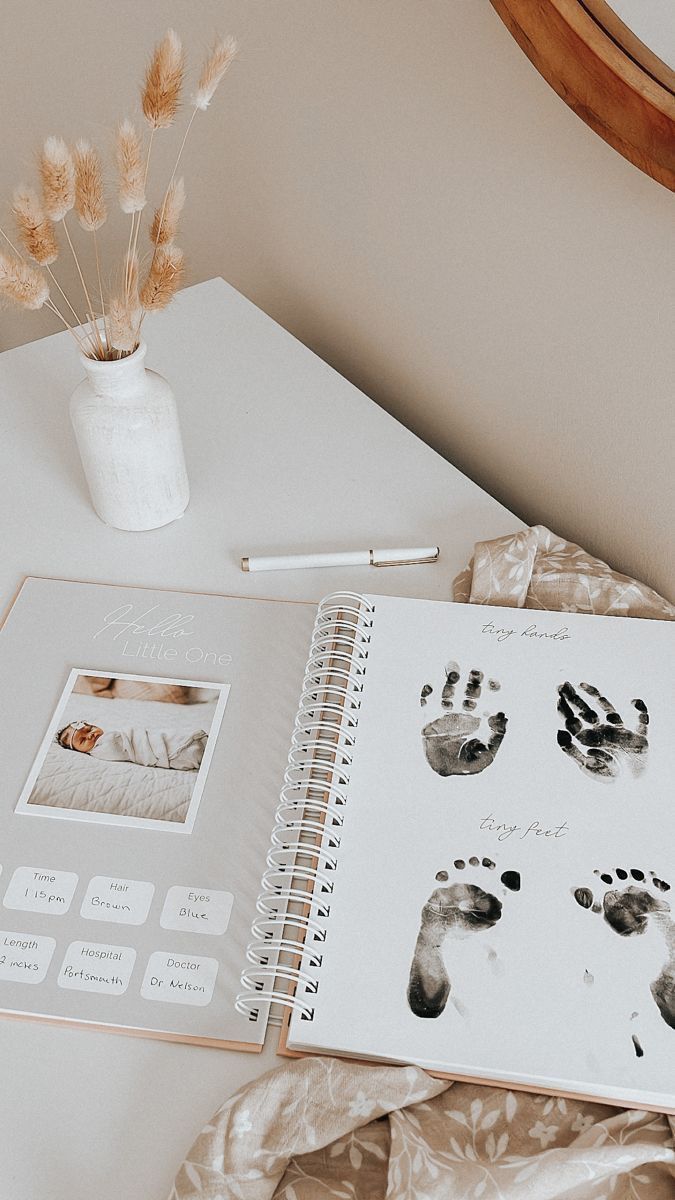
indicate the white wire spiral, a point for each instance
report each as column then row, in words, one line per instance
column 296, row 888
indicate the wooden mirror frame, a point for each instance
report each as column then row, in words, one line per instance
column 621, row 100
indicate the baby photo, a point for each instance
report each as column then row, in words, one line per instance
column 126, row 750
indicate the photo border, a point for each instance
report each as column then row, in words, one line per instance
column 69, row 814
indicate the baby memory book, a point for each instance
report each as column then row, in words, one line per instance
column 143, row 739
column 472, row 864
column 466, row 858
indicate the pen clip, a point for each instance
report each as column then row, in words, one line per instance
column 402, row 562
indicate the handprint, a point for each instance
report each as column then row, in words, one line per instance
column 461, row 743
column 609, row 743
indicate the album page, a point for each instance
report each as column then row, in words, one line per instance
column 144, row 737
column 502, row 906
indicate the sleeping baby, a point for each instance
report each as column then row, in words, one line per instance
column 146, row 747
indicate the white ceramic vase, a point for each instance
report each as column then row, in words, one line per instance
column 128, row 435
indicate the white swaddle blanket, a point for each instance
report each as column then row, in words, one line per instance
column 152, row 748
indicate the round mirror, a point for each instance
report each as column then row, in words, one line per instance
column 613, row 62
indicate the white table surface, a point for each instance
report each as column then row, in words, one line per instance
column 283, row 454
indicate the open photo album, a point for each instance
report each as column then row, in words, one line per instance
column 466, row 858
column 491, row 894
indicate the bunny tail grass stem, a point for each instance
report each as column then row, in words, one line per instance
column 182, row 145
column 90, row 312
column 52, row 276
column 57, row 312
column 173, row 174
column 133, row 251
column 126, row 270
column 10, row 243
column 100, row 289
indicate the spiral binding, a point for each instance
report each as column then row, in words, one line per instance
column 294, row 903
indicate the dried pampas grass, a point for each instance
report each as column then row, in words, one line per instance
column 22, row 283
column 90, row 203
column 57, row 172
column 74, row 179
column 36, row 231
column 222, row 55
column 164, row 277
column 163, row 82
column 165, row 222
column 129, row 156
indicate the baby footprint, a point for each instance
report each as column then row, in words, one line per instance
column 461, row 905
column 630, row 901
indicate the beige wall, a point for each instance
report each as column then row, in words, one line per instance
column 394, row 183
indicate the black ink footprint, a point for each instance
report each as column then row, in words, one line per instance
column 453, row 909
column 629, row 911
column 455, row 743
column 608, row 742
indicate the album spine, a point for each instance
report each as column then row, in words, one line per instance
column 291, row 930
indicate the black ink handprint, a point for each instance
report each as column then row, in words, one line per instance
column 461, row 743
column 609, row 744
column 455, row 909
column 629, row 908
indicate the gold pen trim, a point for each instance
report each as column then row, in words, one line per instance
column 404, row 562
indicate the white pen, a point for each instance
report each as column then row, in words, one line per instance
column 344, row 558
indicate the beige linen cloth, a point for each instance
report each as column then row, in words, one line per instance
column 326, row 1129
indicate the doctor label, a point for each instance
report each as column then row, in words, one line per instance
column 179, row 978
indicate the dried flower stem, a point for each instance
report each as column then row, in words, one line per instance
column 53, row 307
column 11, row 244
column 131, row 238
column 132, row 251
column 100, row 286
column 85, row 340
column 166, row 194
column 90, row 312
column 173, row 176
column 54, row 280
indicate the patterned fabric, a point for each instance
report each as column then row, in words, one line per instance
column 536, row 569
column 324, row 1129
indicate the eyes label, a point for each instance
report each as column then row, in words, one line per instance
column 196, row 910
